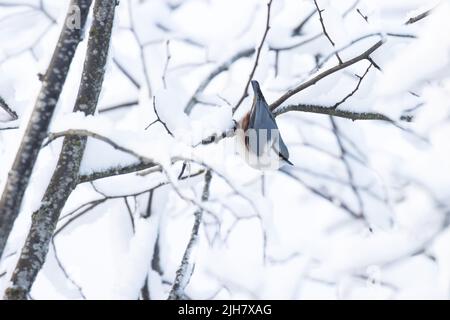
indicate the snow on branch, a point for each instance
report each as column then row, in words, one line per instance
column 36, row 131
column 363, row 56
column 186, row 268
column 64, row 179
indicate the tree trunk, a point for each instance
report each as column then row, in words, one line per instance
column 36, row 131
column 65, row 177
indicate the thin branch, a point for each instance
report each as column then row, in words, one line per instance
column 8, row 128
column 130, row 214
column 365, row 55
column 119, row 106
column 296, row 45
column 73, row 215
column 145, row 291
column 351, row 43
column 9, row 111
column 332, row 112
column 298, row 30
column 333, row 200
column 186, row 268
column 325, row 30
column 228, row 63
column 319, row 109
column 127, row 74
column 116, row 171
column 419, row 17
column 258, row 53
column 350, row 9
column 85, row 206
column 348, row 169
column 142, row 47
column 166, row 65
column 40, row 36
column 214, row 73
column 64, row 271
column 215, row 138
column 354, row 90
column 148, row 210
column 158, row 119
column 366, row 18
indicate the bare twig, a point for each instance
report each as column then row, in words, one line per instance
column 296, row 45
column 119, row 106
column 89, row 206
column 365, row 55
column 350, row 9
column 158, row 119
column 166, row 65
column 184, row 272
column 298, row 30
column 258, row 53
column 354, row 90
column 348, row 169
column 419, row 17
column 130, row 214
column 335, row 201
column 217, row 71
column 366, row 18
column 127, row 74
column 40, row 36
column 9, row 111
column 8, row 128
column 142, row 48
column 354, row 41
column 325, row 30
column 64, row 271
column 333, row 112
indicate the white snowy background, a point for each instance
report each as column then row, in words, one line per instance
column 364, row 217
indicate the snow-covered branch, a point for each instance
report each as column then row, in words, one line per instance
column 187, row 264
column 36, row 131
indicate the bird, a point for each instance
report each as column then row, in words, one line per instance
column 259, row 139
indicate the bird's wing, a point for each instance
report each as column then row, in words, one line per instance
column 281, row 149
column 262, row 118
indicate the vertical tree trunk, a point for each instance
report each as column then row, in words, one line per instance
column 65, row 177
column 36, row 131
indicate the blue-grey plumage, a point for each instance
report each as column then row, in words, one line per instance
column 262, row 118
column 262, row 137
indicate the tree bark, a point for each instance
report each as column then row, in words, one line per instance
column 65, row 177
column 36, row 131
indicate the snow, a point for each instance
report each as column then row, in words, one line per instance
column 301, row 239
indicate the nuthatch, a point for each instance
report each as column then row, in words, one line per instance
column 258, row 135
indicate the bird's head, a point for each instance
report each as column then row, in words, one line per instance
column 256, row 88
